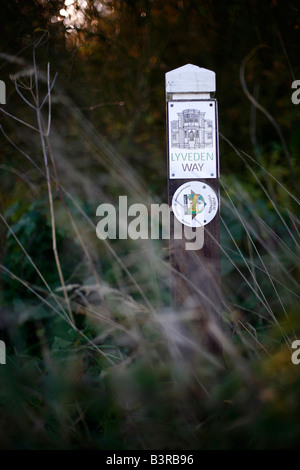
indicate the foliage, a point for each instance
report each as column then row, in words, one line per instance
column 96, row 358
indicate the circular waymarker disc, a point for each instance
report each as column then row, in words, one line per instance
column 195, row 204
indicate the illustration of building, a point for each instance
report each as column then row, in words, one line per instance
column 191, row 130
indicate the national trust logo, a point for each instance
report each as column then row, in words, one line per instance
column 195, row 204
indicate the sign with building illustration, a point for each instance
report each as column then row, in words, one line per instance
column 192, row 127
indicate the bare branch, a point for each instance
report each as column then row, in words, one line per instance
column 19, row 120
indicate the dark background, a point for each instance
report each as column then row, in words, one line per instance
column 129, row 373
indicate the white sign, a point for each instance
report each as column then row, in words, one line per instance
column 192, row 138
column 195, row 204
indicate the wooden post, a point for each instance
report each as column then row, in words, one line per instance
column 193, row 172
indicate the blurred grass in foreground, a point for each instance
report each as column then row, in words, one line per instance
column 96, row 359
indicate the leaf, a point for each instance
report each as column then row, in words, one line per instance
column 60, row 344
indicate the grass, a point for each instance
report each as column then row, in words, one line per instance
column 96, row 358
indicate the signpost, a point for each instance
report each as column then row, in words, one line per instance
column 193, row 172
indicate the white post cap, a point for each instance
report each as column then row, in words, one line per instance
column 190, row 79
